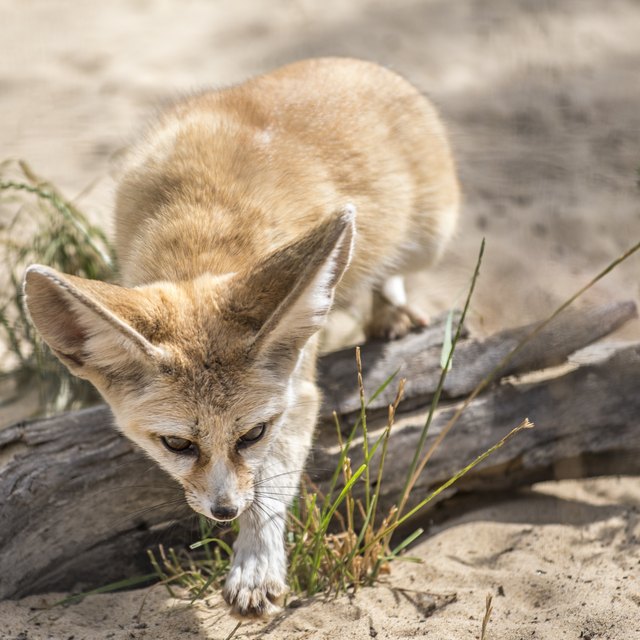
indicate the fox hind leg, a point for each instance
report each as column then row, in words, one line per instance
column 392, row 316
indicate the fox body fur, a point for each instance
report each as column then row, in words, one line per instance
column 243, row 216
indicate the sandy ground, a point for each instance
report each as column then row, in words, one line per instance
column 542, row 101
column 561, row 561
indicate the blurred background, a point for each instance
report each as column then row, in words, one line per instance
column 542, row 101
column 541, row 98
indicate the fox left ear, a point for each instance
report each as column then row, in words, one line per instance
column 87, row 324
column 287, row 297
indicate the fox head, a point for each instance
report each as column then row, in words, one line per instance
column 200, row 374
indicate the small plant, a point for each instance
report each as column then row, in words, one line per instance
column 196, row 575
column 42, row 226
column 327, row 558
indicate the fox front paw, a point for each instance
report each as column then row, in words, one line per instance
column 251, row 591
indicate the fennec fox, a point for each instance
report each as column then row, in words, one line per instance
column 242, row 216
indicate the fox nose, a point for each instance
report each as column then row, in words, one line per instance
column 224, row 513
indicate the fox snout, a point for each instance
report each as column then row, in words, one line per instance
column 223, row 491
column 219, row 505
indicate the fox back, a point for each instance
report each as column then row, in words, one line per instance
column 243, row 216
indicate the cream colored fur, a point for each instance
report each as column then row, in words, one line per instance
column 243, row 215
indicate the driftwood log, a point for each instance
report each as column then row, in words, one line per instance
column 79, row 504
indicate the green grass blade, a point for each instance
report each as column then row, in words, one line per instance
column 383, row 386
column 414, row 470
column 324, row 525
column 302, row 535
column 127, row 583
column 363, row 531
column 365, row 433
column 207, row 541
column 525, row 424
column 203, row 589
column 490, row 377
column 446, row 355
column 406, row 542
column 62, row 207
column 340, row 463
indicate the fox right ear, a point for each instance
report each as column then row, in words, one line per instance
column 84, row 321
column 285, row 299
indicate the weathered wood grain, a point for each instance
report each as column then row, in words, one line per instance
column 417, row 358
column 79, row 503
column 587, row 422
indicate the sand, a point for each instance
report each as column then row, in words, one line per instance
column 561, row 561
column 542, row 101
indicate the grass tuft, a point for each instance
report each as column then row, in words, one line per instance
column 198, row 573
column 335, row 543
column 40, row 225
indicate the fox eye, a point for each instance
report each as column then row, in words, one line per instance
column 252, row 436
column 178, row 445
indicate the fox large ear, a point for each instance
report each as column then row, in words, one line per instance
column 85, row 321
column 286, row 298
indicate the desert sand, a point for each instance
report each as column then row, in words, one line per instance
column 543, row 103
column 561, row 561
